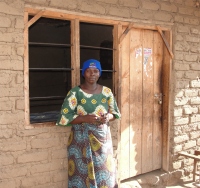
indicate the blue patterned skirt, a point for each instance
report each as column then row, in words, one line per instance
column 90, row 157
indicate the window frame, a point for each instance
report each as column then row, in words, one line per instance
column 75, row 51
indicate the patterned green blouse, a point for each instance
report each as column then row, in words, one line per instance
column 78, row 102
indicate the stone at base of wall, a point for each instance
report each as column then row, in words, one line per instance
column 154, row 179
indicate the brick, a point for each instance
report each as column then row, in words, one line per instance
column 7, row 133
column 179, row 37
column 169, row 7
column 32, row 132
column 8, row 117
column 189, row 110
column 192, row 21
column 119, row 12
column 47, row 167
column 7, row 184
column 5, row 22
column 15, row 171
column 19, row 23
column 138, row 14
column 5, row 78
column 181, row 101
column 177, row 165
column 20, row 51
column 178, row 55
column 181, row 121
column 195, row 100
column 178, row 112
column 190, row 58
column 13, row 146
column 182, row 46
column 178, row 19
column 183, row 29
column 20, row 104
column 32, row 181
column 186, row 10
column 179, row 94
column 182, row 84
column 189, row 3
column 33, row 157
column 198, row 141
column 194, row 135
column 6, row 160
column 89, row 7
column 189, row 145
column 8, row 9
column 5, row 105
column 60, row 176
column 60, row 3
column 11, row 65
column 162, row 16
column 4, row 49
column 11, row 92
column 191, row 93
column 59, row 154
column 133, row 3
column 181, row 66
column 195, row 84
column 113, row 1
column 179, row 74
column 195, row 66
column 194, row 31
column 19, row 78
column 195, row 118
column 44, row 143
column 180, row 139
column 192, row 39
column 195, row 49
column 149, row 5
column 190, row 75
column 177, row 149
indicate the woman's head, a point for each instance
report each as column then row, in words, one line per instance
column 91, row 63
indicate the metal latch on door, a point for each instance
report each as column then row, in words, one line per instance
column 158, row 97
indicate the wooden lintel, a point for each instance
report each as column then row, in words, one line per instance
column 165, row 41
column 34, row 19
column 125, row 32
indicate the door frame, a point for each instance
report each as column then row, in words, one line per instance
column 166, row 34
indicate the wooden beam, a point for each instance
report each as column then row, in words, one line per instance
column 34, row 19
column 125, row 32
column 165, row 41
column 185, row 154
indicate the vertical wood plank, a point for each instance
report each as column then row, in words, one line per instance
column 117, row 31
column 148, row 101
column 166, row 102
column 135, row 101
column 157, row 115
column 75, row 52
column 125, row 104
column 26, row 72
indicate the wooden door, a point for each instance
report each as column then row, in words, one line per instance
column 141, row 98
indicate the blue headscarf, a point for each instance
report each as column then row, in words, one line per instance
column 91, row 63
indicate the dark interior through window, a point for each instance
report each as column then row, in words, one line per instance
column 50, row 62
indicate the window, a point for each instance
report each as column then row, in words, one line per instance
column 51, row 69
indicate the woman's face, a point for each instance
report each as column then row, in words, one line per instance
column 91, row 75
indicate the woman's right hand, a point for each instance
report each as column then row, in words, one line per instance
column 91, row 118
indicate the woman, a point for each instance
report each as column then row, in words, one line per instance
column 88, row 108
